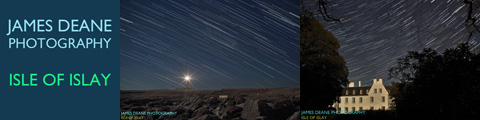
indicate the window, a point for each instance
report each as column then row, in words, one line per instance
column 353, row 108
column 346, row 108
column 339, row 109
column 380, row 90
column 361, row 92
column 360, row 108
column 353, row 92
column 383, row 98
column 383, row 107
column 375, row 90
column 353, row 100
column 371, row 99
column 346, row 92
column 361, row 99
column 371, row 108
column 346, row 100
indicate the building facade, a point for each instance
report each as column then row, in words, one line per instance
column 375, row 97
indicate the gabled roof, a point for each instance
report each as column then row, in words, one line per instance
column 357, row 91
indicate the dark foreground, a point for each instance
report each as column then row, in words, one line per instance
column 223, row 104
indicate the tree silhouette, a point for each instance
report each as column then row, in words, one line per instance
column 323, row 72
column 321, row 8
column 438, row 86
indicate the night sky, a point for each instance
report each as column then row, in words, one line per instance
column 221, row 44
column 375, row 33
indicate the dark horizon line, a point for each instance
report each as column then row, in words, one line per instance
column 210, row 89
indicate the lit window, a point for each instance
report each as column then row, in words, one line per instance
column 383, row 98
column 353, row 92
column 371, row 99
column 353, row 100
column 361, row 92
column 346, row 92
column 361, row 99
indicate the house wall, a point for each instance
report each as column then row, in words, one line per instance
column 366, row 103
column 377, row 97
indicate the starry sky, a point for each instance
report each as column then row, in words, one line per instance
column 221, row 44
column 375, row 33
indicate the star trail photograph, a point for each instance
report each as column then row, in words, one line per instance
column 221, row 44
column 210, row 59
column 390, row 59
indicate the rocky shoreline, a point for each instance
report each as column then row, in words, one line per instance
column 223, row 104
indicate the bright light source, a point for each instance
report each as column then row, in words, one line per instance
column 187, row 79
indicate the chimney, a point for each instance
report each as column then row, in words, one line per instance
column 380, row 80
column 350, row 84
column 374, row 80
column 359, row 83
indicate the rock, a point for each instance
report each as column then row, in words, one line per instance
column 229, row 103
column 212, row 100
column 240, row 105
column 165, row 117
column 158, row 103
column 183, row 116
column 239, row 100
column 235, row 112
column 164, row 108
column 195, row 101
column 237, row 118
column 283, row 109
column 201, row 111
column 252, row 109
column 261, row 118
column 295, row 116
column 206, row 117
column 137, row 108
column 137, row 102
column 231, row 112
column 179, row 109
column 225, row 106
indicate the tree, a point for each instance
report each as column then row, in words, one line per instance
column 438, row 86
column 472, row 19
column 323, row 72
column 321, row 8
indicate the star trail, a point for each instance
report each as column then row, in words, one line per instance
column 374, row 33
column 221, row 44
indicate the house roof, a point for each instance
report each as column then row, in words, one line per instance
column 356, row 90
column 364, row 90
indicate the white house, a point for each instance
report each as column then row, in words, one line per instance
column 375, row 97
